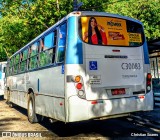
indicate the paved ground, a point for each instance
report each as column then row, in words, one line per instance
column 15, row 120
column 151, row 116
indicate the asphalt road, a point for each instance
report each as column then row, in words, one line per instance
column 15, row 120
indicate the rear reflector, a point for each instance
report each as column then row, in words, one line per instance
column 94, row 102
column 141, row 97
column 97, row 101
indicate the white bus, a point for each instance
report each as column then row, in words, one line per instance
column 88, row 65
column 2, row 78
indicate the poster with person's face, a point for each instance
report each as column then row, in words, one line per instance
column 108, row 31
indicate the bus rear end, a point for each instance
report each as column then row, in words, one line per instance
column 114, row 78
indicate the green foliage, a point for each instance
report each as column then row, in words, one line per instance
column 93, row 5
column 22, row 20
column 147, row 11
column 14, row 34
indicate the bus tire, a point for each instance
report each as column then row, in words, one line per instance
column 31, row 109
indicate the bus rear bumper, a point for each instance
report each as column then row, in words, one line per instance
column 80, row 109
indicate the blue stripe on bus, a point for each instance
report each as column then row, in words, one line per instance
column 146, row 55
column 74, row 53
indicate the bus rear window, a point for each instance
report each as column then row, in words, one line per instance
column 110, row 31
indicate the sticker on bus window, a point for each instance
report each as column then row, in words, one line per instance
column 93, row 65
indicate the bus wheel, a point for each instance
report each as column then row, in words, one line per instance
column 31, row 109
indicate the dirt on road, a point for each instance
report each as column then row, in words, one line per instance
column 14, row 121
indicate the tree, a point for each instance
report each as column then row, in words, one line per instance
column 147, row 11
column 13, row 30
column 22, row 20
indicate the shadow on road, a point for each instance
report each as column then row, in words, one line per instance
column 119, row 127
column 112, row 128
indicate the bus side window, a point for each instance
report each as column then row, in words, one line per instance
column 25, row 52
column 33, row 56
column 16, row 63
column 61, row 43
column 23, row 61
column 48, row 43
column 46, row 50
column 34, row 48
column 17, row 59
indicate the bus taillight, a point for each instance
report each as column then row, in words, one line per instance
column 149, row 76
column 77, row 79
column 79, row 86
column 148, row 82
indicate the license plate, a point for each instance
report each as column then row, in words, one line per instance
column 119, row 91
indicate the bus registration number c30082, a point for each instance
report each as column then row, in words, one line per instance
column 131, row 66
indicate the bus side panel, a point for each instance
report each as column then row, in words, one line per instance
column 149, row 101
column 48, row 88
column 74, row 64
column 73, row 102
column 77, row 109
column 149, row 98
column 17, row 90
column 146, row 54
column 50, row 106
column 74, row 50
column 48, row 85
